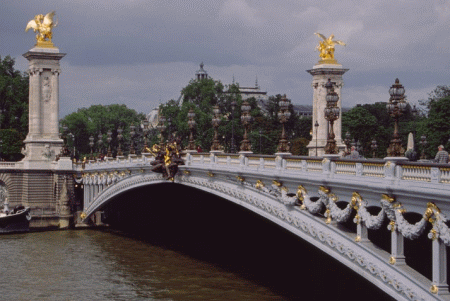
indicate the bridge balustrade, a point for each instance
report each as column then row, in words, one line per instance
column 9, row 165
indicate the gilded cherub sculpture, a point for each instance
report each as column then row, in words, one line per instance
column 326, row 48
column 43, row 25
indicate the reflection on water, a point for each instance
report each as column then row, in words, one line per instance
column 95, row 265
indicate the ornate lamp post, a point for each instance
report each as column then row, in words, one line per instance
column 246, row 119
column 283, row 115
column 119, row 137
column 132, row 133
column 424, row 142
column 331, row 114
column 414, row 113
column 145, row 130
column 215, row 122
column 65, row 152
column 233, row 143
column 72, row 136
column 191, row 124
column 396, row 107
column 260, row 141
column 169, row 123
column 91, row 144
column 374, row 147
column 161, row 127
column 100, row 144
column 109, row 154
column 347, row 142
column 359, row 147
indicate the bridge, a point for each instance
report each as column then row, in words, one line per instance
column 316, row 199
column 340, row 206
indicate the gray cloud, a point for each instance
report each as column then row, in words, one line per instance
column 138, row 52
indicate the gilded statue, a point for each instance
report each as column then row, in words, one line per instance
column 167, row 158
column 326, row 48
column 43, row 25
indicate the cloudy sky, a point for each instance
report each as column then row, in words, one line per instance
column 143, row 52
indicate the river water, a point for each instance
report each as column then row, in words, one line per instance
column 186, row 245
column 97, row 265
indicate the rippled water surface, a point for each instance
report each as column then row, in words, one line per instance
column 185, row 246
column 95, row 265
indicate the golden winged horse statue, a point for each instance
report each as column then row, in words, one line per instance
column 326, row 48
column 43, row 25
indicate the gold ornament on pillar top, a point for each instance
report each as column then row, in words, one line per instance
column 326, row 49
column 43, row 25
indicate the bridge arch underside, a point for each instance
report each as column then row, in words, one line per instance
column 366, row 259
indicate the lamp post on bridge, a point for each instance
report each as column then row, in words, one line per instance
column 396, row 107
column 374, row 147
column 246, row 119
column 145, row 130
column 108, row 139
column 215, row 122
column 283, row 115
column 100, row 145
column 119, row 138
column 347, row 143
column 260, row 141
column 233, row 143
column 65, row 152
column 91, row 144
column 191, row 124
column 424, row 142
column 331, row 114
column 72, row 136
column 132, row 133
column 161, row 127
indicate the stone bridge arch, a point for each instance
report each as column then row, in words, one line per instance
column 369, row 262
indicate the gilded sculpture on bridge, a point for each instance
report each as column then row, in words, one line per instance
column 167, row 158
column 43, row 25
column 326, row 48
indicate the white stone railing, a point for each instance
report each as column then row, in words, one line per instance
column 402, row 170
column 373, row 169
column 410, row 171
column 8, row 165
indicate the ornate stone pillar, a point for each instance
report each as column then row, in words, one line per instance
column 397, row 246
column 439, row 282
column 362, row 233
column 321, row 73
column 43, row 143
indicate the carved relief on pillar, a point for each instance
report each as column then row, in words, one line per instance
column 46, row 89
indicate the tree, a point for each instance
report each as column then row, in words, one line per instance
column 437, row 126
column 201, row 96
column 363, row 127
column 371, row 121
column 98, row 119
column 435, row 95
column 13, row 107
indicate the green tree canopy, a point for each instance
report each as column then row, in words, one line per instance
column 436, row 127
column 13, row 108
column 201, row 96
column 98, row 119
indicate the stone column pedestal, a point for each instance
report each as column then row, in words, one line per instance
column 43, row 143
column 321, row 74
